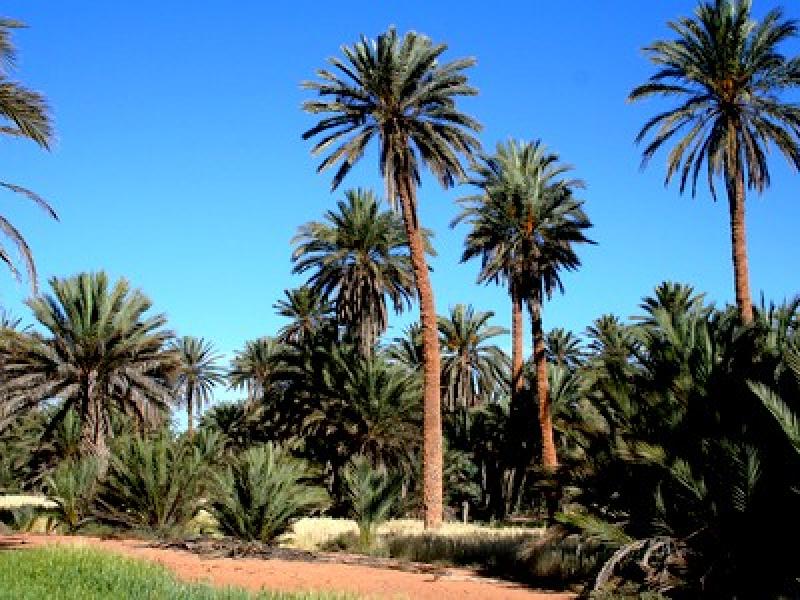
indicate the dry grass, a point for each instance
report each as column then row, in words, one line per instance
column 11, row 502
column 322, row 532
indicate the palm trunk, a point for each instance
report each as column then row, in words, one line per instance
column 549, row 457
column 739, row 249
column 190, row 410
column 93, row 429
column 517, row 379
column 432, row 492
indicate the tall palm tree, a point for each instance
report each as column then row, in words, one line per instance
column 23, row 114
column 358, row 257
column 395, row 90
column 473, row 370
column 198, row 372
column 102, row 354
column 525, row 221
column 727, row 72
column 255, row 367
column 307, row 310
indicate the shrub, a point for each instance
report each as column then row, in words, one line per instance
column 260, row 493
column 72, row 487
column 372, row 493
column 156, row 484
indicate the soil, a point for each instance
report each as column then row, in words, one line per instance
column 317, row 572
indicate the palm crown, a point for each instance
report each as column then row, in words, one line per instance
column 358, row 258
column 198, row 372
column 23, row 114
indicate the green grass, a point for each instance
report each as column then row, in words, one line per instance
column 62, row 573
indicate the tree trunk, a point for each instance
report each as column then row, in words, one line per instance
column 190, row 410
column 741, row 272
column 432, row 492
column 94, row 426
column 549, row 457
column 517, row 378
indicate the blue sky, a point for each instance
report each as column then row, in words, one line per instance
column 179, row 163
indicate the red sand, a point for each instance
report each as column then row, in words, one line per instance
column 273, row 574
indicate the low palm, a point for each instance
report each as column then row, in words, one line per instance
column 102, row 354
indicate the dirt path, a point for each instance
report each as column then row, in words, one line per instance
column 274, row 574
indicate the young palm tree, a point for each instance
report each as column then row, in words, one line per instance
column 406, row 350
column 23, row 114
column 473, row 371
column 359, row 257
column 729, row 76
column 395, row 90
column 198, row 373
column 255, row 367
column 524, row 224
column 102, row 354
column 307, row 310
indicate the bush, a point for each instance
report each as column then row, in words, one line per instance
column 260, row 493
column 72, row 487
column 372, row 493
column 156, row 484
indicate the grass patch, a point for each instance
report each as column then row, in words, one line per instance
column 62, row 573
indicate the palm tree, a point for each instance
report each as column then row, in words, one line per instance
column 103, row 354
column 525, row 222
column 473, row 371
column 255, row 368
column 359, row 257
column 406, row 350
column 563, row 348
column 728, row 74
column 307, row 310
column 396, row 90
column 23, row 114
column 198, row 373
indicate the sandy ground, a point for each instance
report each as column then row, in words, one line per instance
column 274, row 574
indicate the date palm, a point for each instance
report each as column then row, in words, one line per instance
column 727, row 75
column 525, row 221
column 395, row 90
column 198, row 372
column 358, row 258
column 473, row 370
column 255, row 367
column 563, row 348
column 307, row 310
column 23, row 114
column 102, row 353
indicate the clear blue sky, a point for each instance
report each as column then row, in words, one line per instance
column 179, row 163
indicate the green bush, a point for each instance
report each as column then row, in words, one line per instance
column 72, row 486
column 372, row 493
column 261, row 491
column 155, row 484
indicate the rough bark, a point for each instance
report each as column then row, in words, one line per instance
column 517, row 379
column 432, row 458
column 549, row 457
column 741, row 273
column 190, row 410
column 94, row 429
